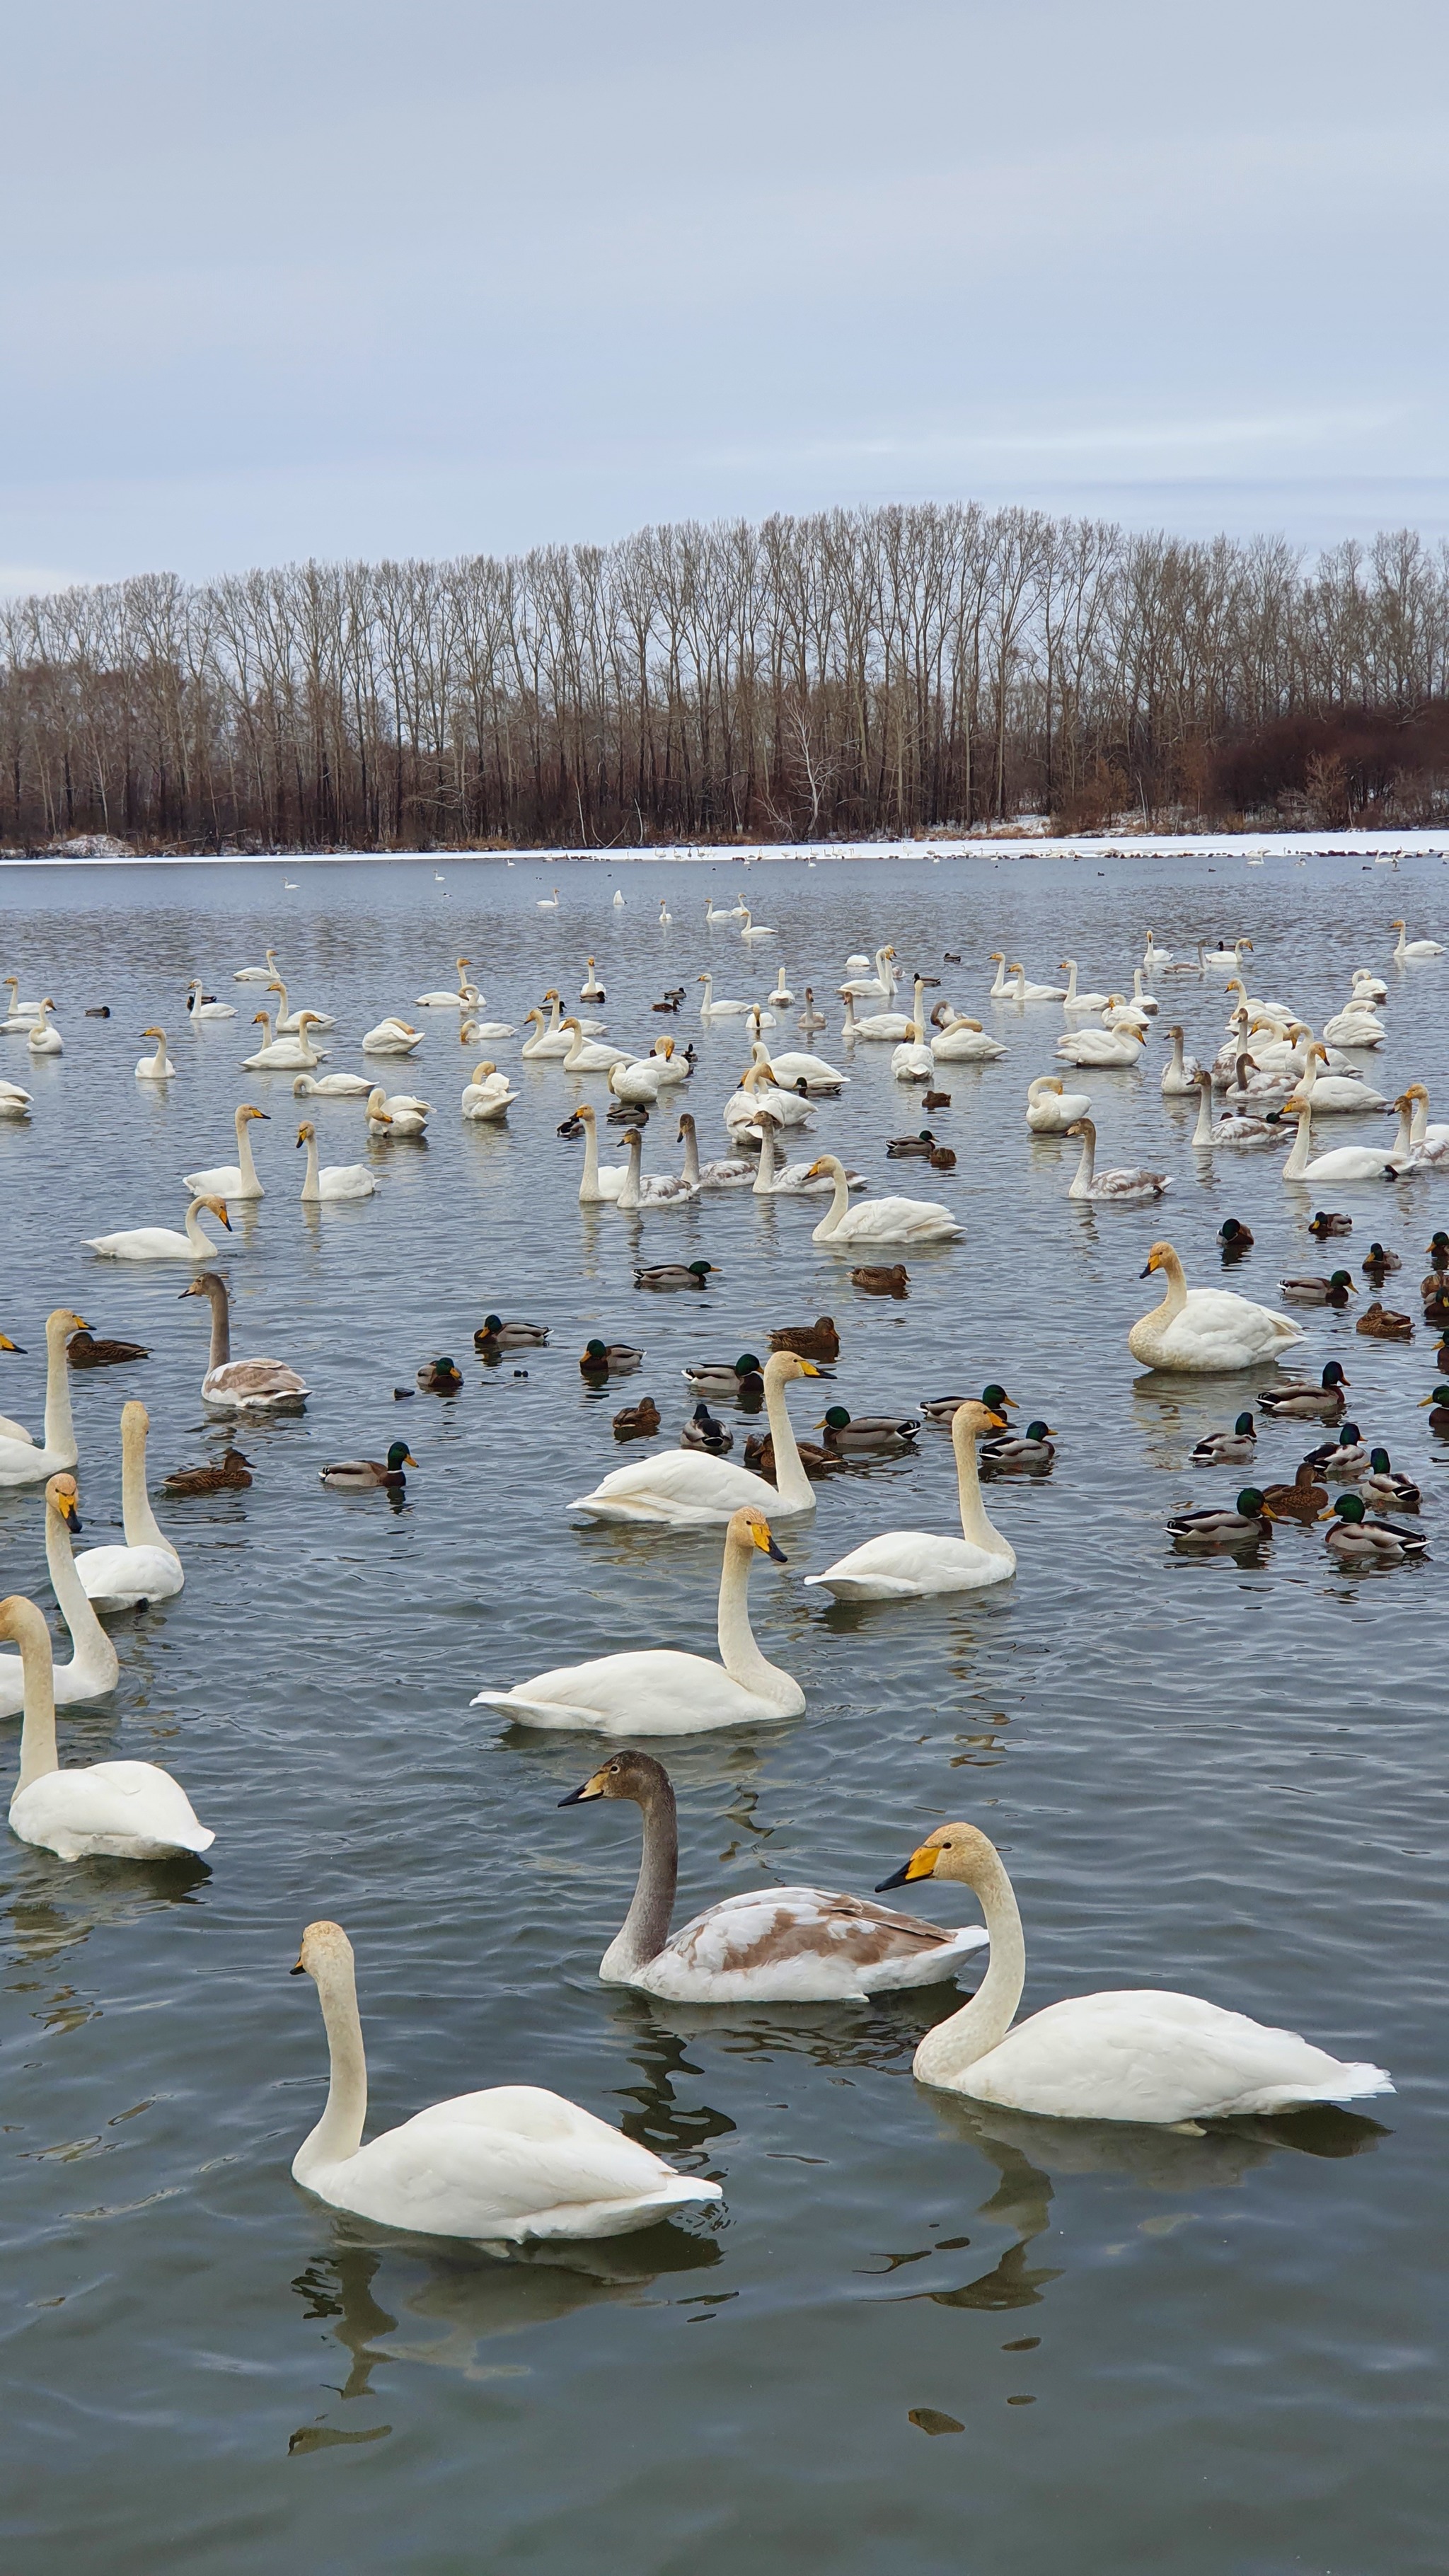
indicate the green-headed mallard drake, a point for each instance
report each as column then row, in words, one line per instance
column 1384, row 1324
column 84, row 1353
column 923, row 1144
column 1220, row 1526
column 722, row 1378
column 944, row 1408
column 1381, row 1485
column 1028, row 1451
column 1335, row 1290
column 1303, row 1500
column 1235, row 1448
column 1436, row 1306
column 231, row 1471
column 365, row 1475
column 1358, row 1540
column 1234, row 1239
column 702, row 1431
column 1344, row 1458
column 867, row 1430
column 637, row 1421
column 440, row 1377
column 1330, row 1221
column 608, row 1359
column 817, row 1341
column 1321, row 1403
column 1378, row 1262
column 1438, row 1404
column 494, row 1334
column 882, row 1278
column 676, row 1274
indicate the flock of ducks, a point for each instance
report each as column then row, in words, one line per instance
column 513, row 2162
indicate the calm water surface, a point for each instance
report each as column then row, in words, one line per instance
column 1197, row 2354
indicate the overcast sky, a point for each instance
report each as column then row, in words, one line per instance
column 291, row 277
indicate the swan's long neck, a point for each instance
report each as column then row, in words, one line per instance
column 589, row 1185
column 691, row 1154
column 284, row 1007
column 791, row 1482
column 1202, row 1133
column 38, row 1755
column 1177, row 1067
column 738, row 1652
column 89, row 1643
column 338, row 2133
column 1082, row 1184
column 1309, row 1075
column 976, row 1529
column 311, row 1184
column 1404, row 1137
column 220, row 1326
column 575, row 1045
column 1070, row 994
column 1402, row 948
column 645, row 1928
column 1297, row 1163
column 136, row 1512
column 1174, row 1295
column 59, row 1428
column 764, row 1180
column 1420, row 1127
column 830, row 1222
column 196, row 1236
column 631, row 1196
column 245, row 1165
column 1000, row 990
column 954, row 2044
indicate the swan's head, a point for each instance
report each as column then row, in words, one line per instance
column 574, row 1024
column 463, row 964
column 22, row 1625
column 135, row 1420
column 155, row 1033
column 207, row 1283
column 247, row 1111
column 1415, row 1091
column 276, row 987
column 261, row 1018
column 750, row 1529
column 217, row 1208
column 1083, row 1127
column 997, row 957
column 62, row 1321
column 975, row 1421
column 62, row 1496
column 1398, row 925
column 952, row 1851
column 666, row 1048
column 326, row 1952
column 1161, row 1257
column 824, row 1169
column 685, row 1127
column 624, row 1775
column 306, row 1132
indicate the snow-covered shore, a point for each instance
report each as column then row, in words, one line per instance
column 1428, row 842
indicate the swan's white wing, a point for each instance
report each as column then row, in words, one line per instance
column 1215, row 1316
column 511, row 2162
column 108, row 1807
column 1159, row 2057
column 224, row 1181
column 906, row 1565
column 128, row 1574
column 656, row 1691
column 677, row 1483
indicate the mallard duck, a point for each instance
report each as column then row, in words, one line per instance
column 1438, row 1250
column 609, row 1359
column 882, row 1279
column 1361, row 1541
column 637, row 1421
column 676, row 1274
column 1383, row 1486
column 494, row 1335
column 1436, row 1306
column 1032, row 1449
column 944, row 1408
column 1379, row 1262
column 721, row 1377
column 817, row 1341
column 1235, row 1448
column 1235, row 1239
column 935, row 1100
column 1321, row 1403
column 1344, row 1458
column 1383, row 1324
column 760, row 1456
column 1303, row 1500
column 1327, row 1222
column 1438, row 1407
column 1242, row 1525
column 83, row 1353
column 923, row 1144
column 363, row 1475
column 440, row 1377
column 867, row 1430
column 231, row 1471
column 1336, row 1290
column 702, row 1431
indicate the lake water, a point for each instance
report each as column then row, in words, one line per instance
column 1137, row 2349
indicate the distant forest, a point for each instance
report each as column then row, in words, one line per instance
column 877, row 671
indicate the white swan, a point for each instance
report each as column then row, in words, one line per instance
column 334, row 1181
column 14, row 1103
column 43, row 1039
column 166, row 1242
column 1408, row 947
column 476, row 1033
column 551, row 1040
column 106, row 1810
column 1428, row 1146
column 333, row 1086
column 757, row 1092
column 147, row 1568
column 782, row 993
column 658, row 1691
column 19, row 1016
column 1141, row 1000
column 391, row 1037
column 1021, row 991
column 94, row 1667
column 599, row 1184
column 198, row 1007
column 1205, row 1331
column 668, row 1189
column 1370, row 986
column 238, row 1180
column 843, row 1227
column 1179, row 1078
column 878, row 1026
column 618, row 898
column 735, row 1172
column 914, row 1565
column 1334, row 1095
column 716, row 912
column 710, row 1009
column 866, row 987
column 284, row 1055
column 1152, row 955
column 1356, row 1026
column 289, row 1022
column 963, row 1040
column 257, row 974
column 1229, row 958
column 769, row 1944
column 637, row 1084
column 1121, row 1183
column 1140, row 2054
column 912, row 1060
column 1109, row 1050
column 1233, row 1128
column 466, row 997
column 591, row 990
column 587, row 1056
column 23, row 1459
column 1347, row 1162
column 512, row 2165
column 665, row 915
column 548, row 902
column 685, row 1489
column 1051, row 1111
column 795, row 1066
column 752, row 929
column 666, row 1068
column 404, row 1114
column 1121, row 1014
column 790, row 1180
column 1072, row 1000
column 241, row 1386
column 489, row 1094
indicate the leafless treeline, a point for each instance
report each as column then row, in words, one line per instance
column 859, row 671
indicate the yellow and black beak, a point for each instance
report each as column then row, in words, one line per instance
column 6, row 1344
column 300, row 1969
column 810, row 1369
column 767, row 1546
column 922, row 1864
column 593, row 1787
column 70, row 1514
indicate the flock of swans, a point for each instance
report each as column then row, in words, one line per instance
column 514, row 2162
